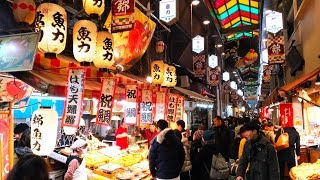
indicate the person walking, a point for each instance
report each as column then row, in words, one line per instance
column 268, row 127
column 260, row 153
column 222, row 138
column 166, row 154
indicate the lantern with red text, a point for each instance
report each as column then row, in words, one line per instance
column 44, row 125
column 84, row 41
column 51, row 22
column 24, row 11
column 94, row 8
column 157, row 72
column 104, row 54
column 160, row 47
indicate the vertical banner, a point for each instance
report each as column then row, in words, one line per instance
column 213, row 76
column 74, row 100
column 264, row 113
column 267, row 71
column 286, row 115
column 108, row 88
column 146, row 107
column 160, row 105
column 172, row 107
column 276, row 54
column 199, row 65
column 122, row 15
column 130, row 113
column 180, row 108
column 4, row 132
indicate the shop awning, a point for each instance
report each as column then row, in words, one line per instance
column 299, row 81
column 193, row 95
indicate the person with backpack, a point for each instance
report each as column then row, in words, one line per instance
column 76, row 168
column 260, row 153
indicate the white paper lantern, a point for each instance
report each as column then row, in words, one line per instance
column 104, row 54
column 169, row 76
column 51, row 22
column 24, row 11
column 226, row 76
column 84, row 41
column 157, row 72
column 233, row 85
column 94, row 8
column 44, row 127
column 240, row 92
column 174, row 76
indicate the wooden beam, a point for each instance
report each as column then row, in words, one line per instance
column 240, row 29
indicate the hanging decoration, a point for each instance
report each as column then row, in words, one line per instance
column 44, row 125
column 146, row 107
column 130, row 114
column 199, row 65
column 213, row 76
column 84, row 41
column 171, row 107
column 250, row 57
column 94, row 8
column 264, row 112
column 240, row 64
column 24, row 11
column 286, row 115
column 104, row 54
column 108, row 88
column 157, row 72
column 226, row 87
column 74, row 101
column 4, row 132
column 13, row 90
column 180, row 108
column 276, row 53
column 169, row 76
column 160, row 47
column 160, row 105
column 123, row 16
column 51, row 22
column 234, row 95
column 267, row 71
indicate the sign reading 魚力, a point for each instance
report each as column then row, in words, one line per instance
column 168, row 11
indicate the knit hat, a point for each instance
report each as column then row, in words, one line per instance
column 208, row 135
column 78, row 144
column 198, row 134
column 20, row 128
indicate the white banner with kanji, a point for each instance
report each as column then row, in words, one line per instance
column 108, row 88
column 74, row 100
column 130, row 113
column 171, row 107
column 160, row 105
column 146, row 107
column 180, row 108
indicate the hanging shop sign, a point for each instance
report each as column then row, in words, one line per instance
column 276, row 54
column 213, row 61
column 226, row 76
column 180, row 108
column 168, row 11
column 93, row 7
column 160, row 105
column 130, row 113
column 199, row 65
column 171, row 107
column 169, row 76
column 4, row 132
column 233, row 85
column 274, row 22
column 51, row 22
column 264, row 112
column 74, row 101
column 104, row 54
column 267, row 71
column 157, row 72
column 234, row 95
column 44, row 125
column 108, row 88
column 198, row 44
column 146, row 107
column 286, row 115
column 123, row 15
column 213, row 76
column 226, row 87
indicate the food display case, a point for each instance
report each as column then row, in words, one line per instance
column 306, row 171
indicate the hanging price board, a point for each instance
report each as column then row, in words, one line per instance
column 172, row 107
column 160, row 105
column 130, row 113
column 146, row 107
column 180, row 108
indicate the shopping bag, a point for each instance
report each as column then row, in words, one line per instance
column 283, row 141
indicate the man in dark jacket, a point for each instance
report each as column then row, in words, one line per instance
column 222, row 137
column 166, row 155
column 260, row 153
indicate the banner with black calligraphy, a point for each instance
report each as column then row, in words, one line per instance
column 108, row 88
column 286, row 115
column 146, row 107
column 171, row 107
column 130, row 114
column 122, row 15
column 160, row 105
column 180, row 108
column 74, row 100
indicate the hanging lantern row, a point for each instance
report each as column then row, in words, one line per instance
column 163, row 74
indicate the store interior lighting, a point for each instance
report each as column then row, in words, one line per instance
column 149, row 79
column 206, row 22
column 317, row 80
column 195, row 2
column 218, row 45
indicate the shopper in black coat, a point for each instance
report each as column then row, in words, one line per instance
column 222, row 138
column 288, row 155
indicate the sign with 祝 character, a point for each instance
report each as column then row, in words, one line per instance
column 74, row 99
column 199, row 65
column 276, row 54
column 130, row 113
column 146, row 107
column 171, row 107
column 180, row 108
column 286, row 115
column 160, row 105
column 168, row 11
column 122, row 15
column 105, row 105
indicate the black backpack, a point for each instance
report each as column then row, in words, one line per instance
column 235, row 148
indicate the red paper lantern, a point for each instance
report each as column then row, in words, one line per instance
column 160, row 47
column 24, row 11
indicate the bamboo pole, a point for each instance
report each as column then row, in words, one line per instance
column 11, row 135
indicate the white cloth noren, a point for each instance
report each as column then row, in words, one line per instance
column 78, row 144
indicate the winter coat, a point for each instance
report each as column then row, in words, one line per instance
column 263, row 160
column 166, row 155
column 223, row 140
column 205, row 159
column 186, row 146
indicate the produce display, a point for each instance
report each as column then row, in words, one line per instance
column 306, row 171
